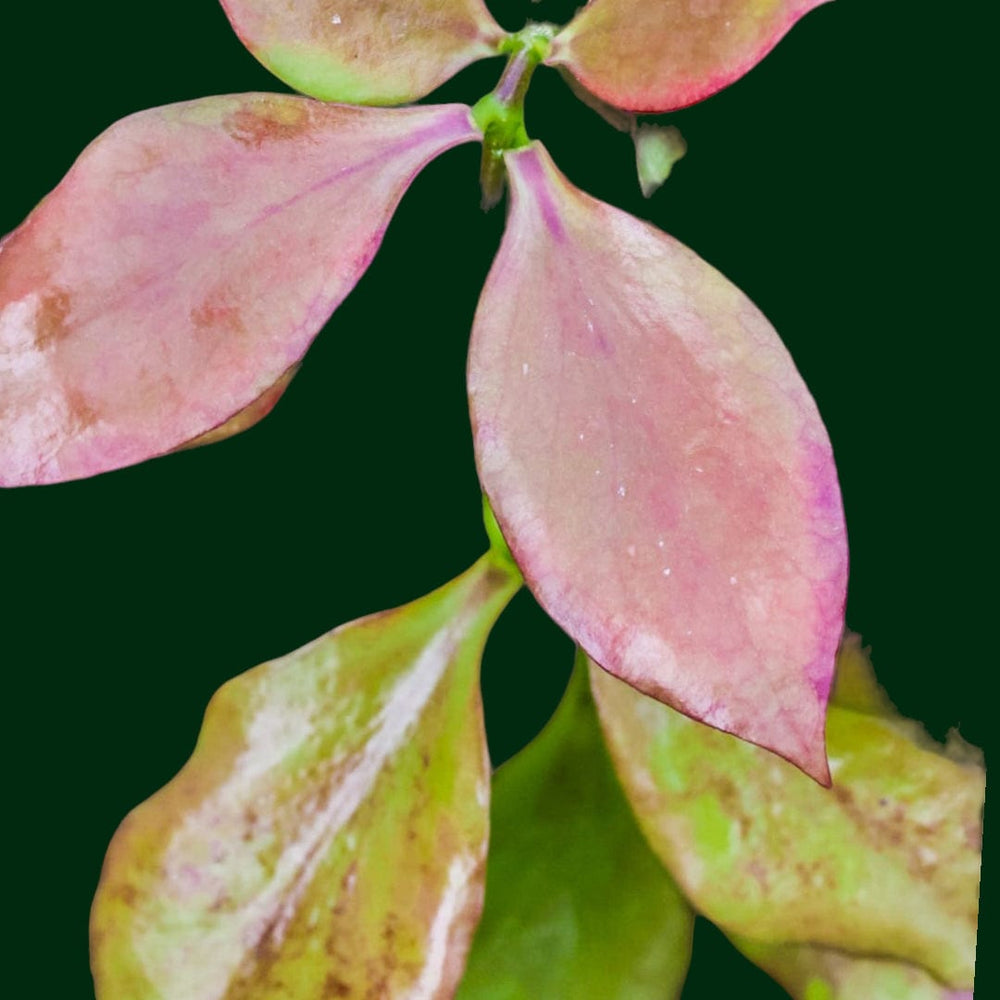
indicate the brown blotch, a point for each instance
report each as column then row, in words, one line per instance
column 267, row 123
column 82, row 414
column 50, row 318
column 126, row 892
column 216, row 317
column 334, row 986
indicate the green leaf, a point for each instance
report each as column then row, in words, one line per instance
column 886, row 861
column 328, row 835
column 657, row 149
column 576, row 903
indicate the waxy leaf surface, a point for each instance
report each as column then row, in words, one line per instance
column 577, row 905
column 328, row 835
column 657, row 466
column 183, row 266
column 810, row 973
column 658, row 55
column 365, row 51
column 885, row 863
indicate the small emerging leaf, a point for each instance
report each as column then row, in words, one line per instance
column 183, row 266
column 328, row 835
column 657, row 149
column 659, row 55
column 657, row 466
column 577, row 905
column 885, row 863
column 364, row 52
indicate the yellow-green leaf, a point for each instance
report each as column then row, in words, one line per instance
column 577, row 905
column 810, row 973
column 328, row 836
column 365, row 51
column 886, row 861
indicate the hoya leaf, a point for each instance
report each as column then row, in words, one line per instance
column 577, row 905
column 659, row 55
column 886, row 862
column 811, row 973
column 184, row 265
column 249, row 415
column 328, row 835
column 657, row 466
column 361, row 52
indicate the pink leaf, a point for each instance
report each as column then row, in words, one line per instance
column 658, row 467
column 363, row 52
column 658, row 55
column 184, row 265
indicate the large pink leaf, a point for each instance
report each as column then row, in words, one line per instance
column 658, row 55
column 363, row 52
column 658, row 467
column 183, row 266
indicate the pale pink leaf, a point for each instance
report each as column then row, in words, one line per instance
column 363, row 52
column 658, row 55
column 184, row 265
column 658, row 467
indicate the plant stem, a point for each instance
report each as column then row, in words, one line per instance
column 500, row 114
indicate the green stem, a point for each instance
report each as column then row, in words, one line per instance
column 500, row 114
column 498, row 544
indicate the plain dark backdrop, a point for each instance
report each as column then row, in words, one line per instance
column 842, row 184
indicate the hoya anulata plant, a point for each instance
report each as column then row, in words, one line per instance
column 653, row 469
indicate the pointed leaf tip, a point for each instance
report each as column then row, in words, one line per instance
column 328, row 835
column 183, row 266
column 657, row 466
column 365, row 53
column 660, row 55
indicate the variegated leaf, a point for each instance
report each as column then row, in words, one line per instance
column 364, row 52
column 657, row 466
column 328, row 835
column 886, row 862
column 183, row 266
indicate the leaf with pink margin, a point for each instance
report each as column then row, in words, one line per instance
column 885, row 863
column 658, row 467
column 660, row 55
column 183, row 266
column 362, row 52
column 328, row 835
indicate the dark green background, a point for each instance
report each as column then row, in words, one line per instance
column 841, row 184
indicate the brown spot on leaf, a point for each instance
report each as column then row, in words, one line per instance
column 82, row 413
column 334, row 986
column 126, row 892
column 217, row 317
column 267, row 122
column 50, row 318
